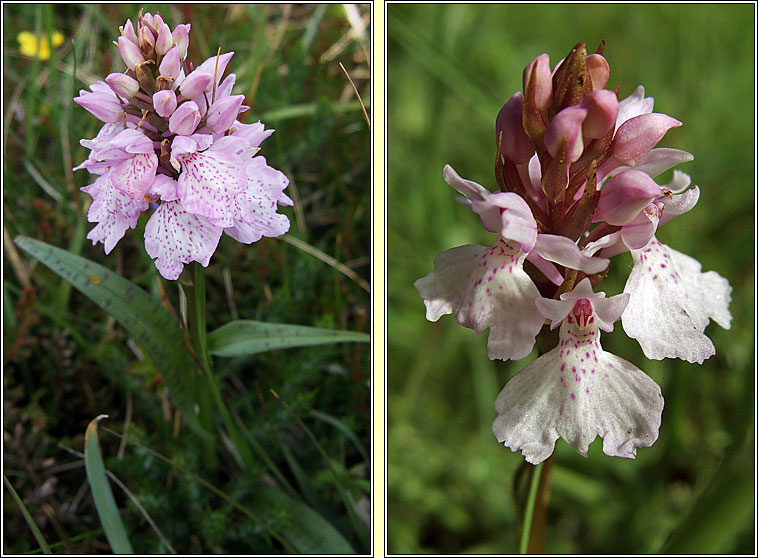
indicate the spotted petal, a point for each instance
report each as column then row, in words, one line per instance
column 256, row 207
column 486, row 288
column 671, row 302
column 112, row 210
column 176, row 237
column 208, row 184
column 133, row 176
column 578, row 391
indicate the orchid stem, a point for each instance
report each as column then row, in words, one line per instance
column 197, row 327
column 526, row 528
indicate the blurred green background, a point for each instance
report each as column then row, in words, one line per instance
column 450, row 69
column 65, row 361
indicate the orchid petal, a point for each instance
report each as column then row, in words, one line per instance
column 638, row 232
column 624, row 195
column 254, row 133
column 565, row 252
column 503, row 212
column 134, row 176
column 485, row 288
column 578, row 391
column 257, row 205
column 468, row 188
column 679, row 204
column 508, row 214
column 174, row 237
column 634, row 105
column 638, row 135
column 547, row 268
column 113, row 211
column 671, row 303
column 163, row 188
column 208, row 183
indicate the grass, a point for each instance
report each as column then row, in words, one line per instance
column 65, row 361
column 450, row 485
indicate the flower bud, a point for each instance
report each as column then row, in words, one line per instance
column 623, row 197
column 181, row 38
column 538, row 83
column 130, row 52
column 224, row 88
column 597, row 67
column 571, row 81
column 104, row 106
column 566, row 126
column 145, row 75
column 514, row 144
column 171, row 64
column 147, row 19
column 602, row 109
column 194, row 84
column 164, row 102
column 638, row 135
column 164, row 41
column 146, row 40
column 123, row 85
column 216, row 65
column 127, row 31
column 157, row 21
column 223, row 113
column 185, row 119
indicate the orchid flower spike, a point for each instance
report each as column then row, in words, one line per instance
column 163, row 149
column 576, row 168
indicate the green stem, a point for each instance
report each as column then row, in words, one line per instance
column 529, row 512
column 28, row 517
column 198, row 336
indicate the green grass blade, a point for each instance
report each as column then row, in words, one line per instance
column 309, row 109
column 235, row 503
column 142, row 315
column 308, row 532
column 342, row 427
column 101, row 492
column 247, row 337
column 336, row 471
column 8, row 314
column 306, row 485
column 28, row 517
column 77, row 538
column 722, row 512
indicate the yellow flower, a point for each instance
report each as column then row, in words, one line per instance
column 29, row 46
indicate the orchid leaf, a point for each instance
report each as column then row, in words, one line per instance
column 247, row 337
column 307, row 531
column 101, row 492
column 142, row 315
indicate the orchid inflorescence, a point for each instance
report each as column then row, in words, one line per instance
column 172, row 144
column 575, row 169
